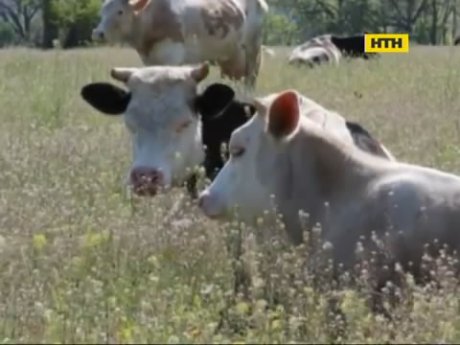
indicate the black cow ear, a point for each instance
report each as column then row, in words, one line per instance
column 107, row 98
column 214, row 99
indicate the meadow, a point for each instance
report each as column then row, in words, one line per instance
column 82, row 262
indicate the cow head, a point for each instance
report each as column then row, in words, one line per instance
column 221, row 114
column 259, row 162
column 117, row 20
column 237, row 185
column 161, row 110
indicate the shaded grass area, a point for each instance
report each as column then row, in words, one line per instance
column 81, row 262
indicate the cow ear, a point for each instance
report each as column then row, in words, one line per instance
column 139, row 5
column 105, row 97
column 200, row 72
column 284, row 114
column 214, row 99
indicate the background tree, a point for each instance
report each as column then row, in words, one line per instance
column 75, row 19
column 18, row 14
column 7, row 36
column 50, row 28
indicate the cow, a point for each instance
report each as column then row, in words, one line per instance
column 167, row 32
column 363, row 203
column 349, row 46
column 320, row 52
column 169, row 121
column 220, row 114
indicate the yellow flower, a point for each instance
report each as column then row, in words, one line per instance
column 39, row 241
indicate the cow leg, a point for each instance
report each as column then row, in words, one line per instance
column 253, row 52
column 253, row 64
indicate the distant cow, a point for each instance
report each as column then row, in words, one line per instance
column 165, row 32
column 388, row 207
column 349, row 46
column 162, row 109
column 315, row 53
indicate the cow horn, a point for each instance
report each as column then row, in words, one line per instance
column 200, row 72
column 122, row 73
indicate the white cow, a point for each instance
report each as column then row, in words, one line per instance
column 350, row 193
column 177, row 32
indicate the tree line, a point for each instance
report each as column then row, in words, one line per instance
column 68, row 23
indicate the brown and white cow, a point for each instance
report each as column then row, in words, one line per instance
column 354, row 196
column 177, row 32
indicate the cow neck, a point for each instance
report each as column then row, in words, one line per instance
column 318, row 170
column 339, row 167
column 135, row 37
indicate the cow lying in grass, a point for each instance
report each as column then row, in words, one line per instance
column 354, row 196
column 169, row 121
column 315, row 52
column 329, row 49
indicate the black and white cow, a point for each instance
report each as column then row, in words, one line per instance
column 347, row 46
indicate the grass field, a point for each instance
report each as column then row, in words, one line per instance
column 81, row 262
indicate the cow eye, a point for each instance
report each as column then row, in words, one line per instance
column 237, row 152
column 183, row 126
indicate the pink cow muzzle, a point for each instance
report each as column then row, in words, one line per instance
column 146, row 181
column 210, row 204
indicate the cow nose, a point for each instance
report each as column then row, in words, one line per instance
column 208, row 203
column 146, row 180
column 98, row 35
